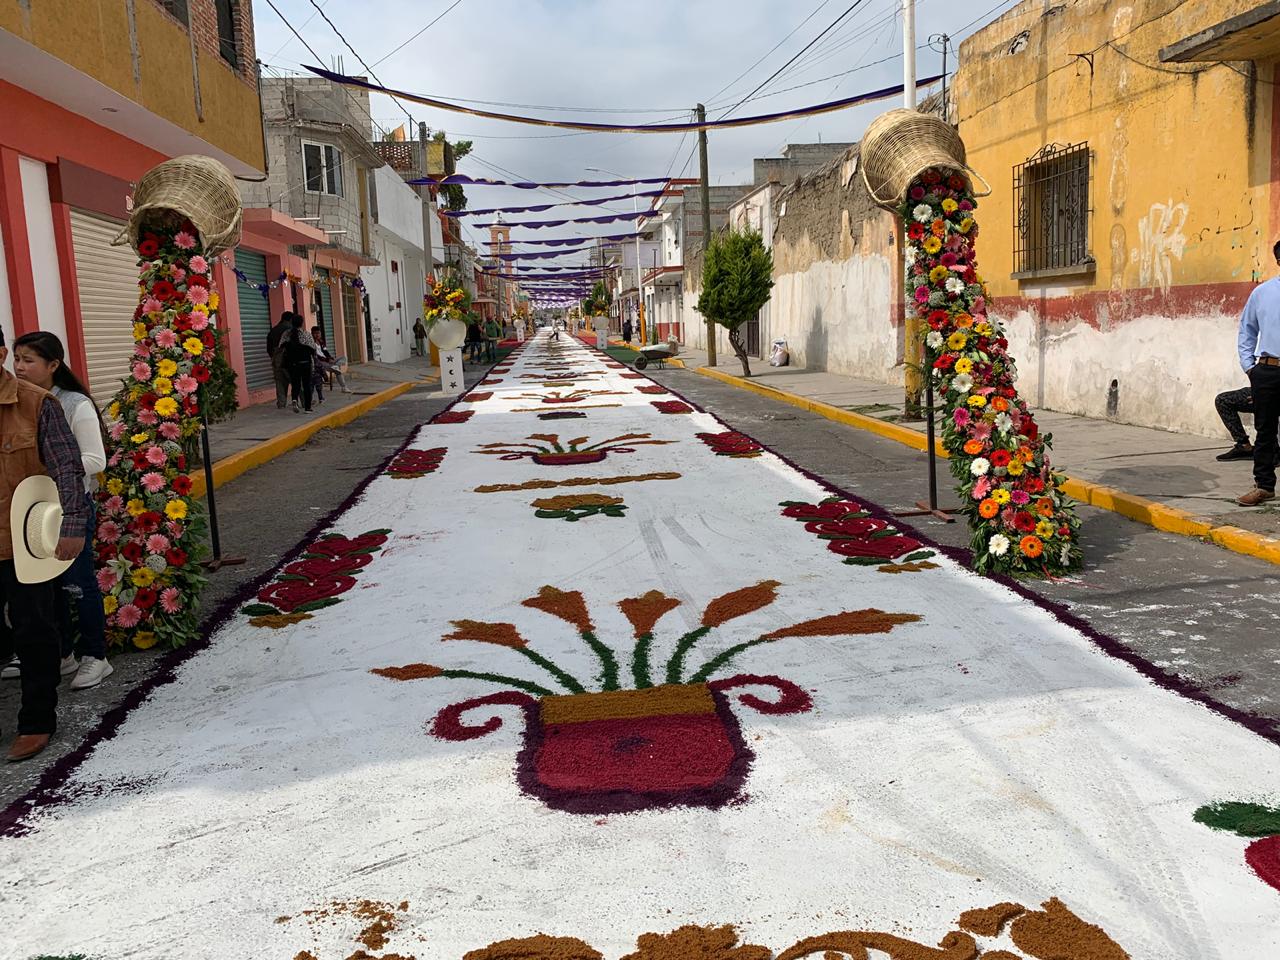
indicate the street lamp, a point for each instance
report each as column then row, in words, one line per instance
column 635, row 208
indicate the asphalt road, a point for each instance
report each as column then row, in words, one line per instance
column 1206, row 616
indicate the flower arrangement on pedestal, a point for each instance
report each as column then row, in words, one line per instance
column 1022, row 523
column 447, row 299
column 150, row 530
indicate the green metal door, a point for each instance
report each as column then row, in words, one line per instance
column 326, row 304
column 255, row 321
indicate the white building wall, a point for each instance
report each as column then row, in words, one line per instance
column 45, row 269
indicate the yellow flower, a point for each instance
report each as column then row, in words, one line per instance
column 957, row 341
column 110, row 604
column 166, row 406
column 938, row 274
column 950, row 206
column 932, row 245
column 176, row 510
column 135, row 507
column 114, row 486
column 977, row 400
column 113, row 411
column 1000, row 495
column 201, row 309
column 984, row 329
column 214, row 300
column 139, row 331
column 162, row 385
column 140, row 438
column 193, row 346
column 143, row 577
column 1045, row 529
column 166, row 367
column 1015, row 468
column 966, row 224
column 964, row 365
column 144, row 639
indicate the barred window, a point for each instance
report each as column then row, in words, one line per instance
column 1051, row 212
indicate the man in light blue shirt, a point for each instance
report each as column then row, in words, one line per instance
column 1259, row 348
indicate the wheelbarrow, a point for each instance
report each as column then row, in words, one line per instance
column 658, row 353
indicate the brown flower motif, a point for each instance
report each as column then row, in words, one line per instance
column 646, row 610
column 705, row 943
column 740, row 602
column 570, row 500
column 870, row 620
column 501, row 634
column 568, row 605
column 410, row 671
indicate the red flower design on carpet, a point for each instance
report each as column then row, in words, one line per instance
column 326, row 571
column 453, row 416
column 860, row 538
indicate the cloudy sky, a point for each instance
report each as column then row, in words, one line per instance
column 641, row 61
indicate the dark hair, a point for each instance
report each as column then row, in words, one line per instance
column 296, row 319
column 49, row 347
column 1275, row 250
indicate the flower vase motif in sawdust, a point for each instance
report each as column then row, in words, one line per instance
column 412, row 464
column 636, row 735
column 730, row 443
column 151, row 530
column 316, row 580
column 1255, row 822
column 1021, row 521
column 851, row 532
column 547, row 449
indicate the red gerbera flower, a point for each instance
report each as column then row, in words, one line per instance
column 164, row 290
column 181, row 485
column 176, row 557
column 148, row 400
column 182, row 465
column 1024, row 521
column 197, row 280
column 200, row 372
column 148, row 248
column 915, row 231
column 1000, row 458
column 132, row 551
column 146, row 598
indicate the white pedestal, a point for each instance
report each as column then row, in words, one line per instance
column 451, row 375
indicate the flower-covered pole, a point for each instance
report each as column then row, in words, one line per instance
column 1022, row 523
column 150, row 529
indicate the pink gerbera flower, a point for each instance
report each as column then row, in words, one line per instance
column 170, row 431
column 171, row 600
column 141, row 371
column 106, row 579
column 184, row 241
column 108, row 531
column 186, row 384
column 166, row 338
column 117, row 430
column 157, row 543
column 113, row 505
column 148, row 418
column 175, row 529
column 177, row 273
column 199, row 321
column 153, row 482
column 152, row 305
column 128, row 615
column 115, row 459
column 156, row 456
column 961, row 417
column 142, row 349
column 198, row 264
column 198, row 294
column 1020, row 497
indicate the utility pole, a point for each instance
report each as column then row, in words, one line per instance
column 705, row 191
column 913, row 346
column 429, row 257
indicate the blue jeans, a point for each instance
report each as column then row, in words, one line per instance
column 79, row 585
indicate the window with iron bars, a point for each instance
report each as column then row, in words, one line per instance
column 1051, row 212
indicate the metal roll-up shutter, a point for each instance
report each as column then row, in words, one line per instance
column 326, row 303
column 255, row 321
column 107, row 281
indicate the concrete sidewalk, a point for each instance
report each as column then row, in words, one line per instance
column 1172, row 469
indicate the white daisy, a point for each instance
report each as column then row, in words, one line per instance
column 1004, row 423
column 955, row 285
column 962, row 383
column 998, row 545
column 934, row 340
column 923, row 213
column 980, row 466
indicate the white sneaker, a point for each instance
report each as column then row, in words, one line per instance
column 11, row 670
column 91, row 673
column 70, row 665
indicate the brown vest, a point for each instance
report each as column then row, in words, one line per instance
column 19, row 449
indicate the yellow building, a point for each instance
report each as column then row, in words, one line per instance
column 92, row 94
column 1131, row 151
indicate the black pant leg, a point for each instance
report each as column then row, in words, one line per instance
column 305, row 374
column 1230, row 405
column 36, row 641
column 1265, row 382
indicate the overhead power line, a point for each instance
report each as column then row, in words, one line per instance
column 419, row 33
column 354, row 53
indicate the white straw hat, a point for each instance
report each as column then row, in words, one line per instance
column 35, row 521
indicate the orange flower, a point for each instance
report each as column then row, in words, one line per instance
column 739, row 603
column 999, row 404
column 870, row 620
column 646, row 610
column 988, row 508
column 964, row 321
column 1026, row 453
column 568, row 605
column 502, row 634
column 939, row 228
column 410, row 671
column 973, row 447
column 1031, row 546
column 1044, row 507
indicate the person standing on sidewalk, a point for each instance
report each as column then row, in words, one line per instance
column 299, row 352
column 277, row 358
column 1259, row 348
column 36, row 440
column 39, row 358
column 420, row 337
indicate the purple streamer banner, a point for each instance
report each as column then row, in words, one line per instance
column 578, row 241
column 606, row 218
column 542, row 207
column 461, row 179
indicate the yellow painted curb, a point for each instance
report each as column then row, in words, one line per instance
column 1154, row 514
column 228, row 468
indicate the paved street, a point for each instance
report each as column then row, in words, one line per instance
column 579, row 629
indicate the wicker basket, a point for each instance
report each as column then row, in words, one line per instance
column 200, row 189
column 900, row 145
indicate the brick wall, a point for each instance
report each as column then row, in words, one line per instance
column 202, row 20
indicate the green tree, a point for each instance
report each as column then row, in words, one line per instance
column 737, row 275
column 598, row 301
column 451, row 193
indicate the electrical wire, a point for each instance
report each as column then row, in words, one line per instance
column 345, row 43
column 813, row 13
column 418, row 34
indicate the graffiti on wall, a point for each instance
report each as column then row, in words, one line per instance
column 1160, row 243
